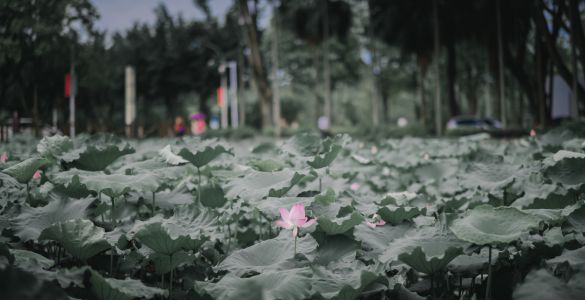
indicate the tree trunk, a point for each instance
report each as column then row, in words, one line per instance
column 275, row 81
column 438, row 104
column 540, row 90
column 451, row 76
column 421, row 91
column 317, row 110
column 577, row 30
column 257, row 63
column 501, row 79
column 574, row 67
column 326, row 65
column 553, row 53
column 35, row 111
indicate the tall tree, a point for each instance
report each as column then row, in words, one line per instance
column 257, row 61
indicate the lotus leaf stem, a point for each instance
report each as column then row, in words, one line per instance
column 171, row 285
column 153, row 195
column 162, row 284
column 488, row 291
column 199, row 185
column 112, row 261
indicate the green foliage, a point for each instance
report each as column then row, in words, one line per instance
column 389, row 217
column 81, row 238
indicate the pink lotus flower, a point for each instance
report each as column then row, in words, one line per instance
column 354, row 186
column 294, row 219
column 375, row 221
column 3, row 157
column 532, row 132
column 37, row 175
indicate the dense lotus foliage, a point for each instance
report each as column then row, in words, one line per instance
column 302, row 218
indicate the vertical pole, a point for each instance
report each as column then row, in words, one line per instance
column 72, row 99
column 374, row 95
column 438, row 108
column 234, row 93
column 540, row 79
column 326, row 65
column 54, row 119
column 224, row 104
column 275, row 81
column 574, row 108
column 130, row 103
column 241, row 88
column 489, row 105
column 501, row 64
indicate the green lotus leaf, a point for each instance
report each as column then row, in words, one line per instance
column 117, row 289
column 113, row 185
column 486, row 225
column 547, row 196
column 5, row 252
column 399, row 198
column 492, row 177
column 346, row 283
column 398, row 214
column 577, row 219
column 376, row 240
column 54, row 146
column 201, row 157
column 471, row 265
column 80, row 238
column 187, row 229
column 74, row 188
column 326, row 197
column 569, row 171
column 296, row 180
column 542, row 285
column 24, row 171
column 339, row 225
column 427, row 249
column 41, row 266
column 284, row 285
column 269, row 255
column 553, row 237
column 212, row 196
column 304, row 144
column 18, row 284
column 267, row 165
column 95, row 157
column 576, row 258
column 257, row 185
column 164, row 263
column 156, row 236
column 170, row 157
column 323, row 160
column 27, row 260
column 337, row 272
column 169, row 199
column 264, row 147
column 418, row 260
column 29, row 224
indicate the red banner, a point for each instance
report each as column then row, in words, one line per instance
column 220, row 96
column 67, row 85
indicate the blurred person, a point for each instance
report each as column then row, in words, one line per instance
column 198, row 125
column 179, row 126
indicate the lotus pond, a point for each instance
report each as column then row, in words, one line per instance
column 302, row 218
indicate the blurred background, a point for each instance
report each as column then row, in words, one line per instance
column 244, row 67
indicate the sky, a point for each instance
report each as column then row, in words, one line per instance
column 118, row 15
